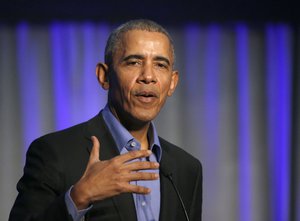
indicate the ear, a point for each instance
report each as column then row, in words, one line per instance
column 174, row 82
column 102, row 75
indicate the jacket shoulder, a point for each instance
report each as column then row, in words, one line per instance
column 177, row 153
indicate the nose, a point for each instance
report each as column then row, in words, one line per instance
column 147, row 75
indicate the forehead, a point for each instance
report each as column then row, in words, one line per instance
column 140, row 41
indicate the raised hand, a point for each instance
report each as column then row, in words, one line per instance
column 103, row 179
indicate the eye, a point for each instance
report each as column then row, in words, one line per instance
column 162, row 65
column 133, row 62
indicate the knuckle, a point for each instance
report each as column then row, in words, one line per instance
column 119, row 187
column 115, row 164
column 149, row 176
column 151, row 164
column 134, row 154
column 118, row 180
column 154, row 176
column 140, row 176
column 117, row 169
column 140, row 189
column 113, row 161
column 146, row 165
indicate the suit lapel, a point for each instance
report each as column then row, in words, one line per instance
column 169, row 201
column 124, row 203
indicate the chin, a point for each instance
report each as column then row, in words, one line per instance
column 145, row 116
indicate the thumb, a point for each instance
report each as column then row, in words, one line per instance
column 94, row 156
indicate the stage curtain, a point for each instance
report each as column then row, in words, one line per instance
column 236, row 108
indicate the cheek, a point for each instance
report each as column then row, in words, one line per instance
column 165, row 86
column 126, row 88
column 116, row 90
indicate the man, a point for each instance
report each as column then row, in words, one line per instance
column 114, row 166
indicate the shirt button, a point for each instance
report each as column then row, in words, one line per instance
column 143, row 203
column 133, row 144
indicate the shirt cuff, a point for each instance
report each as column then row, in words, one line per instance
column 77, row 215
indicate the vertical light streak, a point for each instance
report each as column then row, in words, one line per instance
column 244, row 140
column 28, row 83
column 279, row 101
column 61, row 82
column 212, row 89
column 94, row 38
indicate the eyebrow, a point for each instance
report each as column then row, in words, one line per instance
column 161, row 58
column 137, row 56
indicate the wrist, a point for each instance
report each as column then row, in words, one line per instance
column 79, row 197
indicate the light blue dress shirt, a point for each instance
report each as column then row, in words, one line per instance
column 147, row 206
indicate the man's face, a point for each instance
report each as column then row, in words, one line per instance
column 142, row 78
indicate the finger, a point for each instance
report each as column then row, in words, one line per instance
column 130, row 188
column 140, row 176
column 131, row 155
column 144, row 165
column 94, row 156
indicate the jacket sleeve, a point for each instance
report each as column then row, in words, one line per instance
column 41, row 188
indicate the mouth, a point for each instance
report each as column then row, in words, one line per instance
column 146, row 96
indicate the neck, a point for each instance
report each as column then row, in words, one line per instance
column 139, row 130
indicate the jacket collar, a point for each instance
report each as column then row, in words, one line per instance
column 96, row 127
column 169, row 201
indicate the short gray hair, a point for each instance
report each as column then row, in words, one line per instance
column 116, row 35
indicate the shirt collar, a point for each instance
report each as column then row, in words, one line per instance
column 123, row 138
